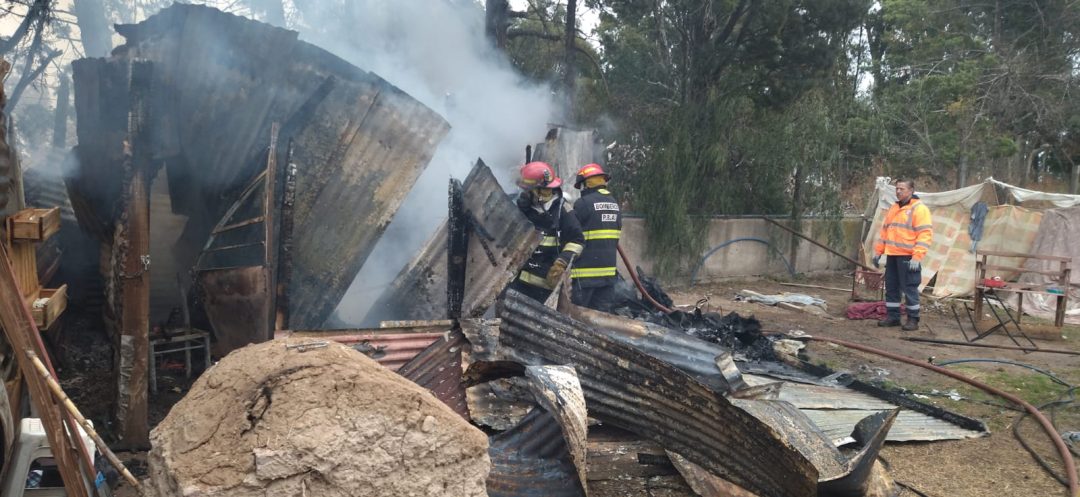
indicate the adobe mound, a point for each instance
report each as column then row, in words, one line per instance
column 329, row 422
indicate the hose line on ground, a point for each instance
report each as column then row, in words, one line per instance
column 640, row 287
column 1048, row 427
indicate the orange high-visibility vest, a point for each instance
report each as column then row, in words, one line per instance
column 906, row 230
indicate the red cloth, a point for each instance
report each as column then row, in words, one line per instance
column 868, row 310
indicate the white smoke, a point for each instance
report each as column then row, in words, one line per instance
column 436, row 51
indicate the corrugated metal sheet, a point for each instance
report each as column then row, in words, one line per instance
column 870, row 433
column 531, row 460
column 391, row 347
column 910, row 426
column 499, row 244
column 836, row 410
column 690, row 354
column 359, row 143
column 438, row 368
column 634, row 391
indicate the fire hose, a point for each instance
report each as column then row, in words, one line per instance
column 640, row 287
column 1048, row 427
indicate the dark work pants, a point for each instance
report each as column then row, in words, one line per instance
column 600, row 298
column 898, row 279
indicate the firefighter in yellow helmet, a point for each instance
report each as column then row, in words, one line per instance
column 594, row 273
column 541, row 201
column 906, row 234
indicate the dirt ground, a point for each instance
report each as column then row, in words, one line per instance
column 996, row 465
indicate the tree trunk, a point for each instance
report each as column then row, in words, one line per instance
column 60, row 118
column 496, row 22
column 569, row 74
column 93, row 27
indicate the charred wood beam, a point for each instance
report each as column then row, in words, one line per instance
column 634, row 391
column 285, row 241
column 457, row 251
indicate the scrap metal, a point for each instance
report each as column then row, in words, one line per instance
column 392, row 347
column 358, row 142
column 544, row 454
column 504, row 240
column 438, row 368
column 634, row 391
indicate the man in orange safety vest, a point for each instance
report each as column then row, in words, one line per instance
column 905, row 238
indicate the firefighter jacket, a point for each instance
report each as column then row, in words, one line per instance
column 906, row 230
column 562, row 239
column 601, row 223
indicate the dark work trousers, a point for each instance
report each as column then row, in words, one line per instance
column 601, row 298
column 899, row 279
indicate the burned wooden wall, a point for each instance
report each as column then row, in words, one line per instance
column 359, row 143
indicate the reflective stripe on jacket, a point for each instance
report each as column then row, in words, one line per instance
column 906, row 230
column 601, row 223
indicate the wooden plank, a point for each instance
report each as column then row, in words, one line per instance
column 135, row 272
column 238, row 225
column 992, row 267
column 18, row 327
column 835, row 289
column 995, row 253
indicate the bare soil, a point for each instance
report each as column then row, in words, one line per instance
column 996, row 465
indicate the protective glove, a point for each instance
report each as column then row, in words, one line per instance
column 877, row 261
column 556, row 271
column 914, row 265
column 524, row 201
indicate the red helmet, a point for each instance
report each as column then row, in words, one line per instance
column 589, row 171
column 538, row 175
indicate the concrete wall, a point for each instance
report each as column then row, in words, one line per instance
column 749, row 258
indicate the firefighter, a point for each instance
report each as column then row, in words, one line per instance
column 601, row 222
column 541, row 201
column 905, row 238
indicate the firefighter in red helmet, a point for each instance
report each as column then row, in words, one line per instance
column 594, row 273
column 541, row 201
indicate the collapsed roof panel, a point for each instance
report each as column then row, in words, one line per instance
column 634, row 391
column 220, row 81
column 500, row 241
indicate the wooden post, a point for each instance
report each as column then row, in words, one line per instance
column 18, row 327
column 135, row 269
column 270, row 229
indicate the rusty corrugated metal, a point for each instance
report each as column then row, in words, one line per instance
column 634, row 391
column 235, row 301
column 359, row 143
column 500, row 242
column 438, row 369
column 391, row 347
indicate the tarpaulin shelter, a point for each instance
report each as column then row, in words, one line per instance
column 1017, row 220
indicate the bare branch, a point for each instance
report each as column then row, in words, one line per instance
column 37, row 10
column 515, row 33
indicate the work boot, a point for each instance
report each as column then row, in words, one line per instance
column 889, row 322
column 912, row 324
